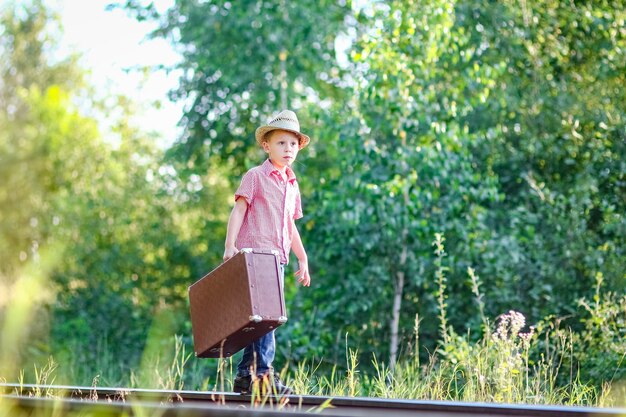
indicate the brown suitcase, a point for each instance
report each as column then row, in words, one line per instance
column 236, row 303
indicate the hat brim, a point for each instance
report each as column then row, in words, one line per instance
column 264, row 130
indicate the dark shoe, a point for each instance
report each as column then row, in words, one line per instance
column 280, row 388
column 242, row 384
column 271, row 384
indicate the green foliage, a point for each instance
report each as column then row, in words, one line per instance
column 241, row 63
column 464, row 122
column 495, row 368
column 34, row 122
column 555, row 123
column 599, row 351
column 127, row 252
column 405, row 174
column 504, row 364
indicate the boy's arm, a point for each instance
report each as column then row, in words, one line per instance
column 298, row 250
column 234, row 225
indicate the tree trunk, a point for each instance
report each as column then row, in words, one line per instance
column 282, row 57
column 397, row 301
column 400, row 273
column 395, row 317
column 283, row 79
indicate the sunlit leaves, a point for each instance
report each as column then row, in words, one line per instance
column 243, row 62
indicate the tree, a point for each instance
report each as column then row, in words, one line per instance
column 130, row 240
column 407, row 173
column 242, row 62
column 503, row 104
column 27, row 177
column 557, row 136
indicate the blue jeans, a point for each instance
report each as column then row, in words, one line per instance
column 263, row 349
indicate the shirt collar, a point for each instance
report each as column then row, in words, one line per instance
column 268, row 168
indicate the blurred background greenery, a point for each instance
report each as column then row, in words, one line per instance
column 501, row 125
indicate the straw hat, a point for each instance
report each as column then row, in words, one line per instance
column 285, row 120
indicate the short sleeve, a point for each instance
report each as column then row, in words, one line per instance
column 297, row 214
column 247, row 187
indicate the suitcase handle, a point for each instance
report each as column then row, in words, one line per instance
column 265, row 251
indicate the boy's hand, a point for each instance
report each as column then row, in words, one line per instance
column 230, row 252
column 303, row 273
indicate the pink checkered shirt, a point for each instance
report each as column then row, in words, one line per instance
column 273, row 205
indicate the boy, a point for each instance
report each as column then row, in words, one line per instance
column 266, row 204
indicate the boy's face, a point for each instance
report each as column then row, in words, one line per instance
column 282, row 147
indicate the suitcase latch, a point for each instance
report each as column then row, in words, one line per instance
column 282, row 319
column 256, row 318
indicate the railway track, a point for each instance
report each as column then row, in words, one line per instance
column 37, row 400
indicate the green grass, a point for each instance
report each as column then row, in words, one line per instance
column 503, row 364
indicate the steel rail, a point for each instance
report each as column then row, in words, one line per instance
column 341, row 406
column 11, row 405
